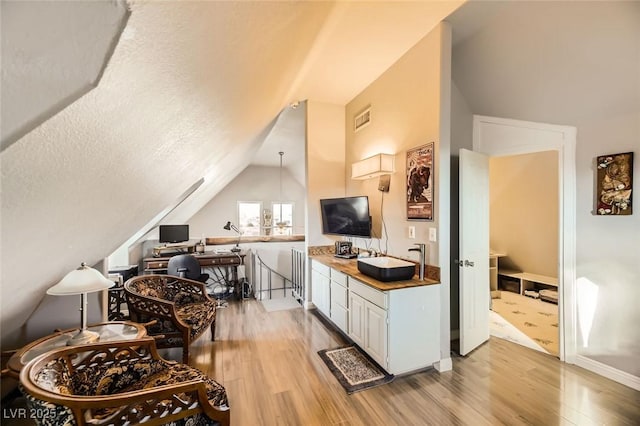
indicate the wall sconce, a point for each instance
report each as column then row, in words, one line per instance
column 380, row 164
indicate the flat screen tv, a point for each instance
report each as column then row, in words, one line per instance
column 174, row 233
column 347, row 216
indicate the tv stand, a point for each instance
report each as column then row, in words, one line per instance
column 174, row 248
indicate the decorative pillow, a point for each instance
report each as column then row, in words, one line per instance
column 55, row 377
column 185, row 298
column 149, row 291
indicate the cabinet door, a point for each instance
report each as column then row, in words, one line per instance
column 356, row 322
column 339, row 316
column 339, row 305
column 376, row 333
column 320, row 291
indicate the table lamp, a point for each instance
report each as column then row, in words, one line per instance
column 81, row 281
column 229, row 226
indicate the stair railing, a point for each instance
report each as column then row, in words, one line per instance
column 266, row 278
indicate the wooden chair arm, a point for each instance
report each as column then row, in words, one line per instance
column 161, row 404
column 152, row 306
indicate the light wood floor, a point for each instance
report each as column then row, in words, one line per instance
column 269, row 364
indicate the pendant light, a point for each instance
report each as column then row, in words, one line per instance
column 281, row 224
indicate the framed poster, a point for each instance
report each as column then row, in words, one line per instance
column 615, row 182
column 420, row 182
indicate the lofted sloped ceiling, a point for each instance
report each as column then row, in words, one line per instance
column 190, row 92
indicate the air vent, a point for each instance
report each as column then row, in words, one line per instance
column 362, row 120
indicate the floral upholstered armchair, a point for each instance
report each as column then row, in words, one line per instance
column 119, row 383
column 178, row 309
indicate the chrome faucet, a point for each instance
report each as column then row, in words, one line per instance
column 421, row 249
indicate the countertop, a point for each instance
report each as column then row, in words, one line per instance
column 350, row 267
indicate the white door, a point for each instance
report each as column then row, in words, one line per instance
column 474, row 250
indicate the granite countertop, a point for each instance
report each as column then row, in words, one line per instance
column 350, row 267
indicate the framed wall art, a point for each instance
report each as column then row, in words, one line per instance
column 614, row 184
column 420, row 182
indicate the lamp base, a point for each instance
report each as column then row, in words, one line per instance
column 236, row 249
column 83, row 337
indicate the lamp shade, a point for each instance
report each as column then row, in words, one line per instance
column 380, row 164
column 82, row 280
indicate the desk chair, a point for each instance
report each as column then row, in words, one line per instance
column 186, row 266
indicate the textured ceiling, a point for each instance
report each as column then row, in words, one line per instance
column 192, row 91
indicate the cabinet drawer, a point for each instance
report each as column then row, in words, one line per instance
column 160, row 264
column 338, row 294
column 323, row 269
column 339, row 277
column 368, row 293
column 219, row 261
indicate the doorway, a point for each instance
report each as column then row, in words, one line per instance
column 496, row 137
column 523, row 241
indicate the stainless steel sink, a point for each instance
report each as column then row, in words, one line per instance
column 386, row 268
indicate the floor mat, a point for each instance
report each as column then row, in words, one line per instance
column 353, row 369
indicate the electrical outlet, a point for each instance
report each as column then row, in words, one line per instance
column 432, row 235
column 412, row 232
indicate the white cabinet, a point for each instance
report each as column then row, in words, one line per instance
column 356, row 318
column 321, row 287
column 375, row 338
column 367, row 320
column 399, row 329
column 339, row 304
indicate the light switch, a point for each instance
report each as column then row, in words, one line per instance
column 432, row 235
column 412, row 232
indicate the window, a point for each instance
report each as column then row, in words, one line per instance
column 249, row 217
column 282, row 225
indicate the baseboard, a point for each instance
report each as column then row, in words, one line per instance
column 309, row 305
column 609, row 372
column 444, row 365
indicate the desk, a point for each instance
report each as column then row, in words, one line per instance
column 108, row 331
column 228, row 260
column 158, row 265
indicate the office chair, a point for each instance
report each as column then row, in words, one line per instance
column 186, row 266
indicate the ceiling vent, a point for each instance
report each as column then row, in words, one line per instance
column 362, row 120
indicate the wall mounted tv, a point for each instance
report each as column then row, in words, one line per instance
column 347, row 216
column 174, row 233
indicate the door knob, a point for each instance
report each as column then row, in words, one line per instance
column 468, row 263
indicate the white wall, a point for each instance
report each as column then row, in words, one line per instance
column 325, row 164
column 573, row 63
column 42, row 75
column 409, row 108
column 405, row 111
column 255, row 183
column 524, row 211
